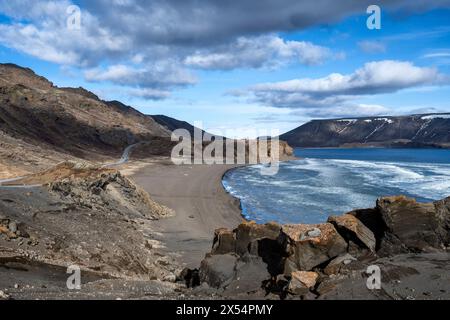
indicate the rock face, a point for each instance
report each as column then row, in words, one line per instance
column 415, row 226
column 311, row 245
column 353, row 229
column 224, row 241
column 310, row 260
column 250, row 235
column 100, row 189
column 302, row 281
column 254, row 254
column 443, row 218
column 403, row 131
column 218, row 270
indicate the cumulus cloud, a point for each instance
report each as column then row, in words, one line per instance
column 335, row 93
column 159, row 75
column 39, row 29
column 256, row 52
column 374, row 77
column 188, row 33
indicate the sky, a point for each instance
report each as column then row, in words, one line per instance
column 239, row 65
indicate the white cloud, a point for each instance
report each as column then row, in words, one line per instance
column 158, row 75
column 210, row 35
column 374, row 77
column 335, row 94
column 256, row 52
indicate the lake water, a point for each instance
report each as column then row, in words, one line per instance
column 335, row 181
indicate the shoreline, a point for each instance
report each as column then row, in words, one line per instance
column 200, row 202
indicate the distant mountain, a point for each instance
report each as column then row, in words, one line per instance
column 173, row 124
column 420, row 130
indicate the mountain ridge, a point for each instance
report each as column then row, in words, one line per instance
column 42, row 124
column 417, row 130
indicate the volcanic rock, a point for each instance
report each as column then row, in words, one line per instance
column 301, row 282
column 251, row 273
column 442, row 208
column 335, row 265
column 417, row 226
column 353, row 229
column 218, row 270
column 307, row 252
column 248, row 234
column 224, row 241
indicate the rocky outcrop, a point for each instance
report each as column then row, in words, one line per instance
column 103, row 189
column 301, row 282
column 308, row 246
column 308, row 261
column 354, row 230
column 88, row 216
column 413, row 226
column 442, row 216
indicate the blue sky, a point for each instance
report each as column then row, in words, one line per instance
column 237, row 73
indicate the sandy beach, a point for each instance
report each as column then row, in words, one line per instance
column 200, row 203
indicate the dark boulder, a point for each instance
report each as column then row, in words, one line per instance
column 442, row 208
column 250, row 275
column 311, row 245
column 416, row 226
column 352, row 229
column 224, row 241
column 218, row 270
column 248, row 234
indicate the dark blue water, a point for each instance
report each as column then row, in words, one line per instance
column 378, row 154
column 335, row 181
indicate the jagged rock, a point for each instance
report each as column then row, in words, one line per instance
column 248, row 234
column 353, row 229
column 218, row 270
column 306, row 252
column 100, row 188
column 442, row 208
column 334, row 267
column 251, row 273
column 415, row 225
column 373, row 220
column 301, row 282
column 224, row 241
